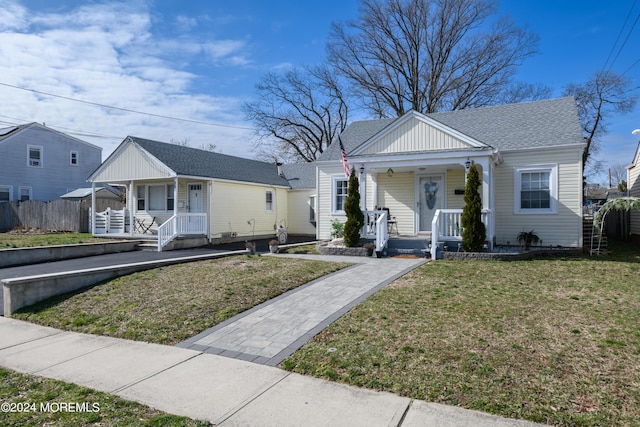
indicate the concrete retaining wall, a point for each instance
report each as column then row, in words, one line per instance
column 25, row 256
column 24, row 291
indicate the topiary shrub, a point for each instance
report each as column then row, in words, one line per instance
column 474, row 233
column 355, row 217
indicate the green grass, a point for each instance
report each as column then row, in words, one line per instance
column 36, row 402
column 554, row 341
column 170, row 304
column 303, row 249
column 25, row 240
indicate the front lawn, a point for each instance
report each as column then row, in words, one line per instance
column 24, row 240
column 170, row 304
column 554, row 341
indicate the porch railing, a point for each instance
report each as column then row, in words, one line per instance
column 447, row 225
column 181, row 225
column 375, row 227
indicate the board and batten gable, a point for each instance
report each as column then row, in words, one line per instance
column 633, row 184
column 57, row 174
column 129, row 163
column 414, row 135
column 563, row 227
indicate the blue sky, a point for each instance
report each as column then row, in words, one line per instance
column 200, row 60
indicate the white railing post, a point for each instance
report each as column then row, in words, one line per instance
column 435, row 234
column 382, row 231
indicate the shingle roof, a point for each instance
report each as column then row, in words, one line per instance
column 300, row 175
column 534, row 124
column 195, row 162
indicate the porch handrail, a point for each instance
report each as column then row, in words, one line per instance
column 376, row 228
column 181, row 225
column 447, row 225
column 382, row 232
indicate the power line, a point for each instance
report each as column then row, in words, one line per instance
column 619, row 34
column 67, row 130
column 126, row 109
column 625, row 40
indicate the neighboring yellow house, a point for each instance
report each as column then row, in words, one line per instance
column 633, row 184
column 175, row 191
column 529, row 157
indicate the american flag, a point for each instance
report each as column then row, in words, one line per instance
column 345, row 164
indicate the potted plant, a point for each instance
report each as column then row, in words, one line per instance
column 528, row 238
column 369, row 247
column 273, row 246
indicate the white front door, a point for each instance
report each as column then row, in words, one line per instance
column 431, row 194
column 194, row 202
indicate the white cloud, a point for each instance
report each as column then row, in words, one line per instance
column 12, row 16
column 109, row 53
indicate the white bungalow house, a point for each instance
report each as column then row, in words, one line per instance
column 175, row 191
column 529, row 156
column 633, row 184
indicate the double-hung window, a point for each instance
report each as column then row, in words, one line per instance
column 34, row 153
column 339, row 194
column 536, row 189
column 5, row 193
column 269, row 201
column 24, row 193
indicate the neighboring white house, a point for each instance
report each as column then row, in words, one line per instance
column 633, row 184
column 183, row 191
column 40, row 163
column 529, row 156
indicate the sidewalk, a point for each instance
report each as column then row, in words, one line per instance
column 232, row 392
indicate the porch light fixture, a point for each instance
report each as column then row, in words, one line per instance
column 467, row 165
column 361, row 170
column 389, row 172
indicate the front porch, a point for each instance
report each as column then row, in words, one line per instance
column 445, row 235
column 180, row 231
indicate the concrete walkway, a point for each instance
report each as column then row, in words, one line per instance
column 274, row 330
column 233, row 392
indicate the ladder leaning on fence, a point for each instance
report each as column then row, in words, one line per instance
column 109, row 221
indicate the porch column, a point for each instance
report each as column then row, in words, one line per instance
column 362, row 177
column 131, row 220
column 175, row 196
column 93, row 207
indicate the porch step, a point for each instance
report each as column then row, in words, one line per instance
column 408, row 246
column 148, row 246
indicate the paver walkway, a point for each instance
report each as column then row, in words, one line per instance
column 270, row 332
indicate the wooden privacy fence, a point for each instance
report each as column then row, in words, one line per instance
column 57, row 215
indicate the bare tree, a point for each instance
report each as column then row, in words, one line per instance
column 297, row 114
column 428, row 55
column 606, row 93
column 617, row 174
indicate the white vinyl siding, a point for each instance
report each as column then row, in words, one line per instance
column 300, row 204
column 397, row 193
column 564, row 226
column 412, row 136
column 131, row 163
column 324, row 212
